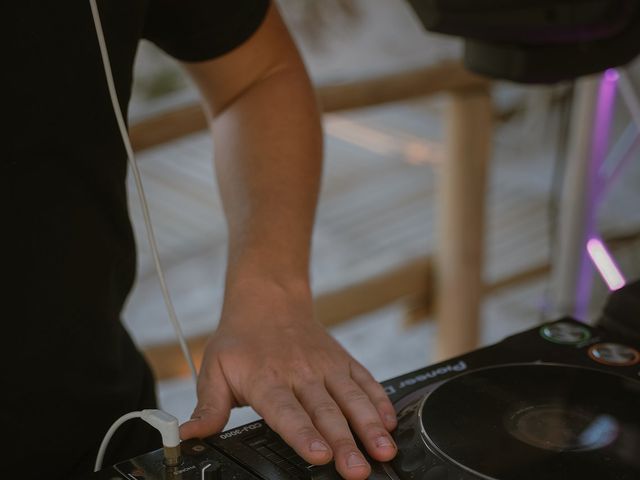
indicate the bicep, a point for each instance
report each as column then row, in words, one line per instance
column 269, row 50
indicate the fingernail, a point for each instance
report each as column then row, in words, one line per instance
column 383, row 441
column 354, row 460
column 317, row 446
column 389, row 418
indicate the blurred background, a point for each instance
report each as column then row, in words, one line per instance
column 376, row 232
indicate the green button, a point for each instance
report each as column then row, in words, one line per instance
column 565, row 333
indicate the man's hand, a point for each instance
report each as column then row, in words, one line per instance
column 269, row 353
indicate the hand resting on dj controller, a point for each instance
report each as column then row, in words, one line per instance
column 271, row 354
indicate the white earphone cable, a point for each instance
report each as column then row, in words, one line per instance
column 138, row 181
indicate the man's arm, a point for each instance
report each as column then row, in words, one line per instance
column 268, row 351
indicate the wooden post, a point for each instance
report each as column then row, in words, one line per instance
column 461, row 210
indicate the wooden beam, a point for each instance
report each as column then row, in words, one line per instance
column 412, row 281
column 394, row 87
column 408, row 280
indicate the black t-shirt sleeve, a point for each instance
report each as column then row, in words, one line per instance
column 197, row 30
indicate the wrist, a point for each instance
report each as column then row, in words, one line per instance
column 259, row 296
column 266, row 283
column 275, row 267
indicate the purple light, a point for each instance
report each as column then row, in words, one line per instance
column 603, row 116
column 605, row 264
column 611, row 75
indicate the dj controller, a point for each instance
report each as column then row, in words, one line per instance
column 557, row 402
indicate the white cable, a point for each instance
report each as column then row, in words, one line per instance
column 109, row 434
column 166, row 424
column 138, row 180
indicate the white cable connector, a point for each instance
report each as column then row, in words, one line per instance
column 166, row 424
column 168, row 427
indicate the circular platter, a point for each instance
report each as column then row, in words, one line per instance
column 524, row 422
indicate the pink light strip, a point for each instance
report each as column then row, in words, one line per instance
column 605, row 264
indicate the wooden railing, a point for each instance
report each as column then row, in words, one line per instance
column 394, row 87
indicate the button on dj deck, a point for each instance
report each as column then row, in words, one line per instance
column 565, row 333
column 614, row 354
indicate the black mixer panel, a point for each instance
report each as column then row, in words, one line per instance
column 199, row 462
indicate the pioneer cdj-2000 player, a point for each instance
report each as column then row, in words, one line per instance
column 557, row 402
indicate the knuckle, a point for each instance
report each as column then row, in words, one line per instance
column 325, row 409
column 374, row 428
column 207, row 410
column 285, row 417
column 377, row 388
column 265, row 393
column 306, row 432
column 305, row 373
column 354, row 395
column 383, row 403
column 361, row 371
column 269, row 374
column 286, row 409
column 303, row 368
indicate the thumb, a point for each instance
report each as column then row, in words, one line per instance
column 213, row 407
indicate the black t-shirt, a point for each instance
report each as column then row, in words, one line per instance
column 69, row 369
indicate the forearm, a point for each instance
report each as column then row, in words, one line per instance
column 268, row 156
column 268, row 153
